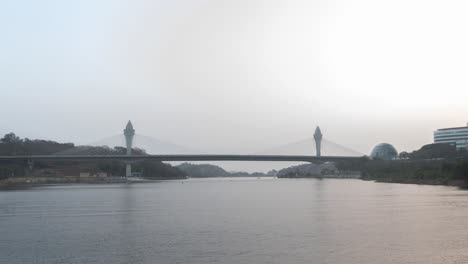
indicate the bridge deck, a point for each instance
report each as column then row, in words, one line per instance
column 197, row 157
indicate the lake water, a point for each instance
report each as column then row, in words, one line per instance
column 235, row 221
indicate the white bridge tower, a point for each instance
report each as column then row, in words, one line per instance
column 129, row 133
column 318, row 141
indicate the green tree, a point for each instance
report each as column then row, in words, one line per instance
column 11, row 138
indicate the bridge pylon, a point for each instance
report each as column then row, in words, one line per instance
column 318, row 141
column 129, row 133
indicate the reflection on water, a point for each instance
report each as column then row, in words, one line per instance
column 235, row 220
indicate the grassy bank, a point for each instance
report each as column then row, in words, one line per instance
column 27, row 182
column 453, row 172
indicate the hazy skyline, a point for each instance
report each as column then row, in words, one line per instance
column 238, row 76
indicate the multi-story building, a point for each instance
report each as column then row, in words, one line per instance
column 457, row 136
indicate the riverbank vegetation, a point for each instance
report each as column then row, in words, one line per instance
column 208, row 170
column 432, row 164
column 312, row 170
column 69, row 170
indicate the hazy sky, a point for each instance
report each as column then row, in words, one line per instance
column 240, row 75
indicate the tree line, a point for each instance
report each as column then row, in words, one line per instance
column 431, row 164
column 12, row 145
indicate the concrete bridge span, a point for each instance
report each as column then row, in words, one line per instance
column 195, row 157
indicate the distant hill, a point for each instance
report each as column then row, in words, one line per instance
column 208, row 170
column 11, row 144
column 308, row 170
column 202, row 170
column 150, row 145
column 100, row 150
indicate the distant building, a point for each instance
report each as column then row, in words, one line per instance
column 384, row 151
column 457, row 136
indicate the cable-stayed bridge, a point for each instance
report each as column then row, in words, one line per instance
column 305, row 147
column 155, row 146
column 308, row 147
column 316, row 149
column 149, row 144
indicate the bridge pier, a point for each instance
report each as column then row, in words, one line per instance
column 129, row 132
column 128, row 170
column 30, row 165
column 29, row 169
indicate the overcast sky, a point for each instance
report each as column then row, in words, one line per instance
column 237, row 75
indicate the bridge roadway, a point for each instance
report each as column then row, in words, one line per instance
column 194, row 157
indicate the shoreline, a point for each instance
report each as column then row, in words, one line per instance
column 22, row 183
column 452, row 183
